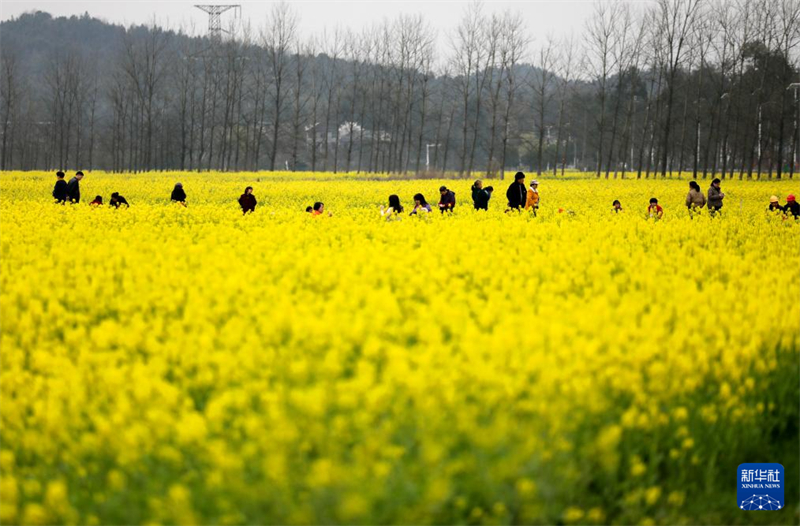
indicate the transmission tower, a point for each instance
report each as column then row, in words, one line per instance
column 214, row 18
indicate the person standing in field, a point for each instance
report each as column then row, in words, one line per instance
column 792, row 206
column 448, row 200
column 60, row 189
column 420, row 205
column 178, row 194
column 695, row 199
column 481, row 195
column 715, row 196
column 532, row 197
column 74, row 188
column 117, row 200
column 247, row 200
column 516, row 194
column 394, row 210
column 654, row 210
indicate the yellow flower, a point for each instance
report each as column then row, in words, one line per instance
column 573, row 515
column 477, row 367
column 652, row 495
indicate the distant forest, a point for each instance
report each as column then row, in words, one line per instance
column 701, row 86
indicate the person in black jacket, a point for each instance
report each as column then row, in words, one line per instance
column 447, row 201
column 178, row 195
column 247, row 200
column 74, row 188
column 60, row 190
column 117, row 200
column 517, row 194
column 481, row 195
column 792, row 206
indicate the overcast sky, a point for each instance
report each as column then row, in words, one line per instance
column 541, row 16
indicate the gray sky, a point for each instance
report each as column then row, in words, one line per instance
column 541, row 16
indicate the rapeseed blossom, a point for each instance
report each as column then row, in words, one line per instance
column 164, row 364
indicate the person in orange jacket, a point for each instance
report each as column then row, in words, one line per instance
column 533, row 197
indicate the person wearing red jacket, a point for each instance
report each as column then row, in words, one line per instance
column 655, row 210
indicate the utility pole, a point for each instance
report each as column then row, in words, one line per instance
column 214, row 18
column 794, row 86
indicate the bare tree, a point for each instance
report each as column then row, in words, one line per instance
column 512, row 51
column 565, row 61
column 278, row 39
column 9, row 98
column 543, row 94
column 675, row 19
column 600, row 61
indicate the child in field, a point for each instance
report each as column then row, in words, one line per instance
column 247, row 200
column 310, row 209
column 655, row 210
column 774, row 204
column 117, row 200
column 616, row 206
column 532, row 200
column 98, row 201
column 394, row 210
column 420, row 205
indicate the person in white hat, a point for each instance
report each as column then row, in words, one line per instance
column 533, row 197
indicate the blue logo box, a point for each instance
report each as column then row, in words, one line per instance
column 760, row 487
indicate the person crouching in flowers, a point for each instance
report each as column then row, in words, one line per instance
column 178, row 194
column 319, row 209
column 774, row 204
column 98, row 201
column 117, row 201
column 448, row 200
column 394, row 210
column 792, row 207
column 655, row 210
column 420, row 205
column 247, row 200
column 616, row 206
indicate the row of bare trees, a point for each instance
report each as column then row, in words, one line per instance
column 704, row 86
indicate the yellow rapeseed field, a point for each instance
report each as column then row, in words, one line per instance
column 163, row 364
